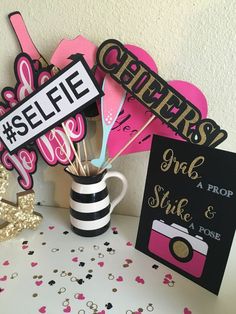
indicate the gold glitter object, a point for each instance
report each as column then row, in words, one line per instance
column 18, row 216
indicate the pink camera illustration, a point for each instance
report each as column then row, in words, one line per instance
column 175, row 245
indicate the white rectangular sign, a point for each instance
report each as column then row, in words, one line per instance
column 70, row 91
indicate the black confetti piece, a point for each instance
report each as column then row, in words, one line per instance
column 51, row 282
column 109, row 306
column 80, row 281
column 89, row 276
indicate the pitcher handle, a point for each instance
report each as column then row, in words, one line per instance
column 118, row 199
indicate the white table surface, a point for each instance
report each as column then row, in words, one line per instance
column 24, row 278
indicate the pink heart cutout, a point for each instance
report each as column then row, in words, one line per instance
column 134, row 115
column 129, row 243
column 139, row 280
column 80, row 296
column 102, row 312
column 101, row 264
column 119, row 279
column 129, row 261
column 67, row 309
column 42, row 309
column 1, row 290
column 33, row 264
column 75, row 259
column 4, row 278
column 24, row 247
column 168, row 276
column 38, row 282
column 187, row 311
column 6, row 263
column 166, row 281
column 51, row 227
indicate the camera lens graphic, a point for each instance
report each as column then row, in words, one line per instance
column 181, row 249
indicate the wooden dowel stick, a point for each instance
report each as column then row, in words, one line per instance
column 79, row 155
column 86, row 157
column 64, row 152
column 72, row 147
column 110, row 160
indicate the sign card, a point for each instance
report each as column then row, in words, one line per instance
column 157, row 95
column 188, row 214
column 70, row 91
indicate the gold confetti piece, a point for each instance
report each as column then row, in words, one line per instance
column 18, row 216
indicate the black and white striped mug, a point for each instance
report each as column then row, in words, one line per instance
column 90, row 205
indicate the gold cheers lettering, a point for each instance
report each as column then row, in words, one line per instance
column 157, row 95
column 170, row 162
column 161, row 199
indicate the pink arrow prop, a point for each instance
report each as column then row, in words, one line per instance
column 111, row 104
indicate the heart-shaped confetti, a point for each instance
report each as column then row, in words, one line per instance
column 42, row 309
column 4, row 278
column 1, row 290
column 166, row 281
column 101, row 264
column 51, row 227
column 33, row 264
column 187, row 311
column 129, row 243
column 129, row 261
column 6, row 263
column 38, row 283
column 24, row 247
column 67, row 309
column 80, row 296
column 168, row 276
column 139, row 280
column 75, row 259
column 119, row 279
column 102, row 312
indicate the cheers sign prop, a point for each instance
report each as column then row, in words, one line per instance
column 69, row 91
column 157, row 95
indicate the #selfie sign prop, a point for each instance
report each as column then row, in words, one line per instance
column 188, row 213
column 157, row 95
column 70, row 91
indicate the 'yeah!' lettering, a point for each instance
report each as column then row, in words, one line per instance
column 155, row 93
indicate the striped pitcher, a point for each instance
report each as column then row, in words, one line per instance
column 90, row 205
